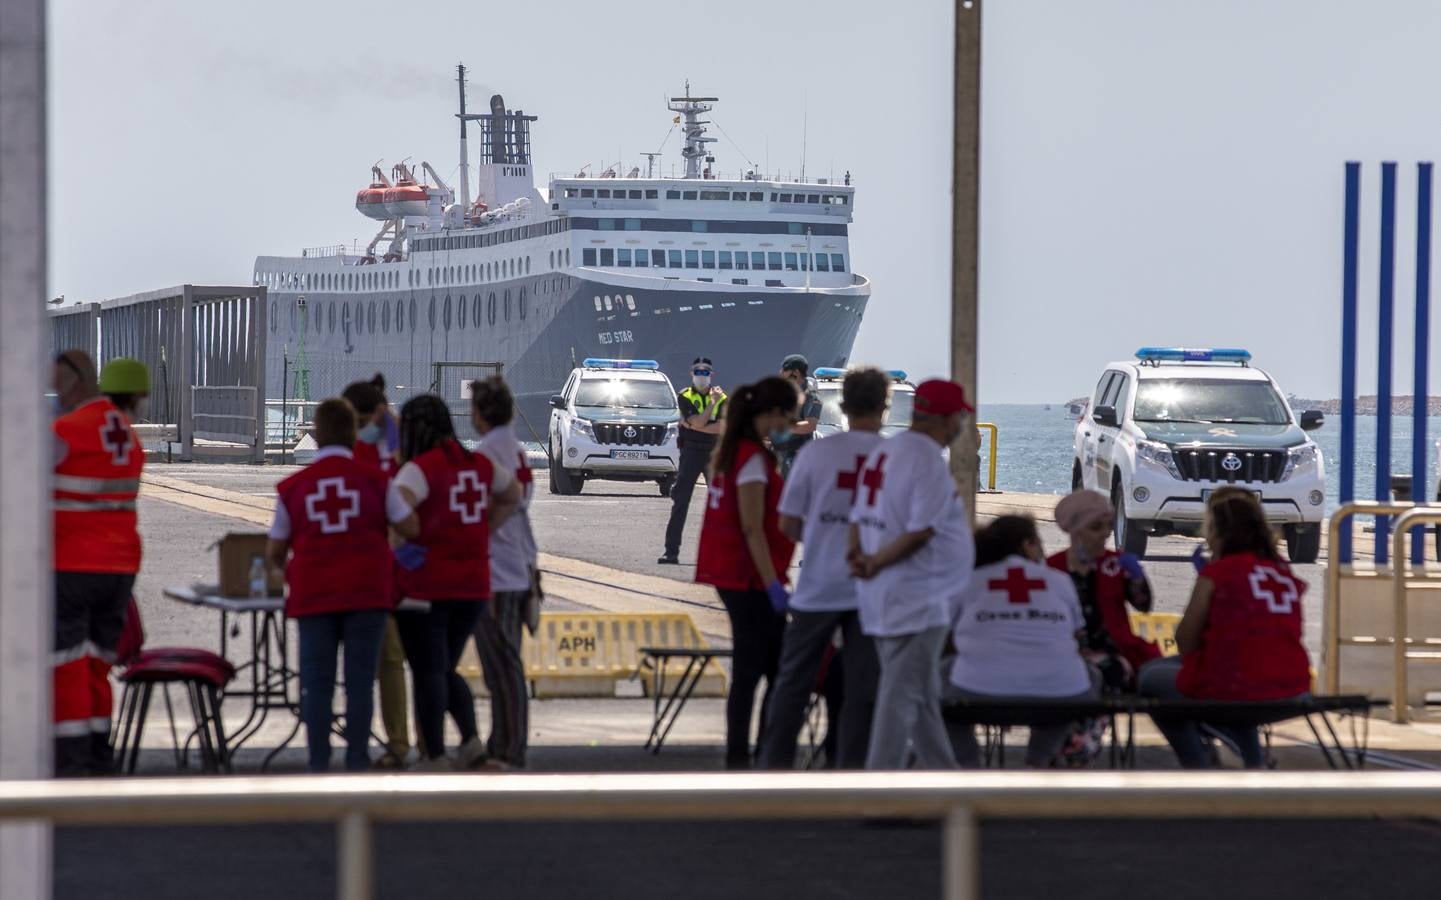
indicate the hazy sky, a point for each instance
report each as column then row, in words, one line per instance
column 1152, row 172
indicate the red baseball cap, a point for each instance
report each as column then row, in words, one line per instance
column 941, row 398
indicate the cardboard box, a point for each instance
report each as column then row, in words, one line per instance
column 237, row 549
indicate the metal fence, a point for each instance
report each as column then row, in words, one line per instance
column 958, row 800
column 451, row 382
column 189, row 336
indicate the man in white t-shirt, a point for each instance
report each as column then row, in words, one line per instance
column 911, row 547
column 815, row 509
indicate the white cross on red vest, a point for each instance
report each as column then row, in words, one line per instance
column 115, row 436
column 332, row 505
column 469, row 497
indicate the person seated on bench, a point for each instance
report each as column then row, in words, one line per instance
column 1015, row 632
column 1240, row 638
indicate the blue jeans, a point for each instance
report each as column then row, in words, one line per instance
column 320, row 638
column 433, row 643
column 1157, row 678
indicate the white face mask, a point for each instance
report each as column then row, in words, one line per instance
column 701, row 382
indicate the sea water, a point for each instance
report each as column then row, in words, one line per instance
column 1037, row 447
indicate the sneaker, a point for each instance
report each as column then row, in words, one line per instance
column 496, row 765
column 669, row 559
column 470, row 755
column 434, row 764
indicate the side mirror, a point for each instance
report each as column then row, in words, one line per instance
column 557, row 401
column 1105, row 416
column 1312, row 419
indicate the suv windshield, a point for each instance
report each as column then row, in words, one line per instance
column 898, row 416
column 1209, row 401
column 630, row 393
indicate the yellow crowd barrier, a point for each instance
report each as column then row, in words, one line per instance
column 584, row 654
column 1157, row 627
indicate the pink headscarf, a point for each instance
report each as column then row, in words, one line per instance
column 1077, row 510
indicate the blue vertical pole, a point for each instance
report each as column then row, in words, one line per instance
column 1421, row 391
column 1384, row 326
column 1347, row 490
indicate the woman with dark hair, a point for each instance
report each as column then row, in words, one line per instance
column 1240, row 638
column 513, row 580
column 743, row 552
column 373, row 445
column 458, row 498
column 1016, row 630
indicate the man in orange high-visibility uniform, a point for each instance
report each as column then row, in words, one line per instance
column 97, row 555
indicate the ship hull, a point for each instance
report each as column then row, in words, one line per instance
column 538, row 329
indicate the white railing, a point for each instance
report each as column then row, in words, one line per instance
column 958, row 800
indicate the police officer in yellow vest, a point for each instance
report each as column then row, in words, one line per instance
column 702, row 408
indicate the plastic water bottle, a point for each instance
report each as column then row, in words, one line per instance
column 259, row 579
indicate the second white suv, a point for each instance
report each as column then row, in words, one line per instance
column 898, row 415
column 614, row 419
column 1165, row 429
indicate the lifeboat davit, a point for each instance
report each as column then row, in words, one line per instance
column 370, row 202
column 407, row 199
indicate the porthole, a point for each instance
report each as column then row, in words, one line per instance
column 446, row 319
column 507, row 306
column 476, row 311
column 433, row 305
column 460, row 313
column 359, row 316
column 332, row 318
column 490, row 312
column 521, row 301
column 413, row 318
column 384, row 317
column 370, row 317
column 527, row 265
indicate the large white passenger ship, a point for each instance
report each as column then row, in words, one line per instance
column 743, row 270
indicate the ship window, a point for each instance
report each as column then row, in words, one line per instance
column 552, row 259
column 758, row 260
column 507, row 306
column 699, row 225
column 527, row 265
column 773, row 261
column 359, row 315
column 567, row 256
column 672, row 195
column 822, row 263
column 587, row 256
column 790, row 262
column 460, row 312
column 607, row 302
column 757, row 196
column 657, row 258
column 430, row 277
column 587, row 192
column 475, row 311
column 331, row 318
column 675, row 261
column 622, row 258
column 842, row 200
column 725, row 259
column 692, row 259
column 603, row 193
column 570, row 192
column 813, row 198
column 634, row 195
column 384, row 317
column 740, row 281
column 605, row 224
column 715, row 195
column 490, row 312
column 742, row 260
column 707, row 259
column 370, row 318
column 521, row 302
column 274, row 319
column 630, row 302
column 607, row 256
column 642, row 258
column 774, row 195
column 413, row 318
column 838, row 262
column 652, row 194
column 687, row 195
column 785, row 198
column 446, row 317
column 795, row 228
column 433, row 304
column 597, row 304
column 632, row 224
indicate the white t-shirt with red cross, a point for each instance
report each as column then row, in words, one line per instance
column 906, row 487
column 820, row 491
column 1015, row 632
column 512, row 545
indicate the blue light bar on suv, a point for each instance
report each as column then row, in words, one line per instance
column 826, row 372
column 648, row 364
column 1193, row 354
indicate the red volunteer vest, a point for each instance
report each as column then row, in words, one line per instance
column 340, row 558
column 95, row 488
column 369, row 454
column 724, row 560
column 1110, row 600
column 454, row 526
column 1251, row 649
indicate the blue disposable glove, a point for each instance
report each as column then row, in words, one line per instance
column 780, row 597
column 411, row 556
column 1198, row 559
column 1131, row 566
column 392, row 432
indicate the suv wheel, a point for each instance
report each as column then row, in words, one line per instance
column 1131, row 534
column 550, row 453
column 562, row 480
column 1076, row 481
column 1303, row 542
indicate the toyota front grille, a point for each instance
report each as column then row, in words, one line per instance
column 1230, row 466
column 633, row 435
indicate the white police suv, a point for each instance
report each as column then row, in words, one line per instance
column 1163, row 431
column 615, row 419
column 828, row 385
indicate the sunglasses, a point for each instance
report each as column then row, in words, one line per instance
column 700, row 371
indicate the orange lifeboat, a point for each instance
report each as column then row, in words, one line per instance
column 407, row 199
column 370, row 202
column 477, row 210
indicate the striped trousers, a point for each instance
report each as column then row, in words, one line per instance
column 497, row 643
